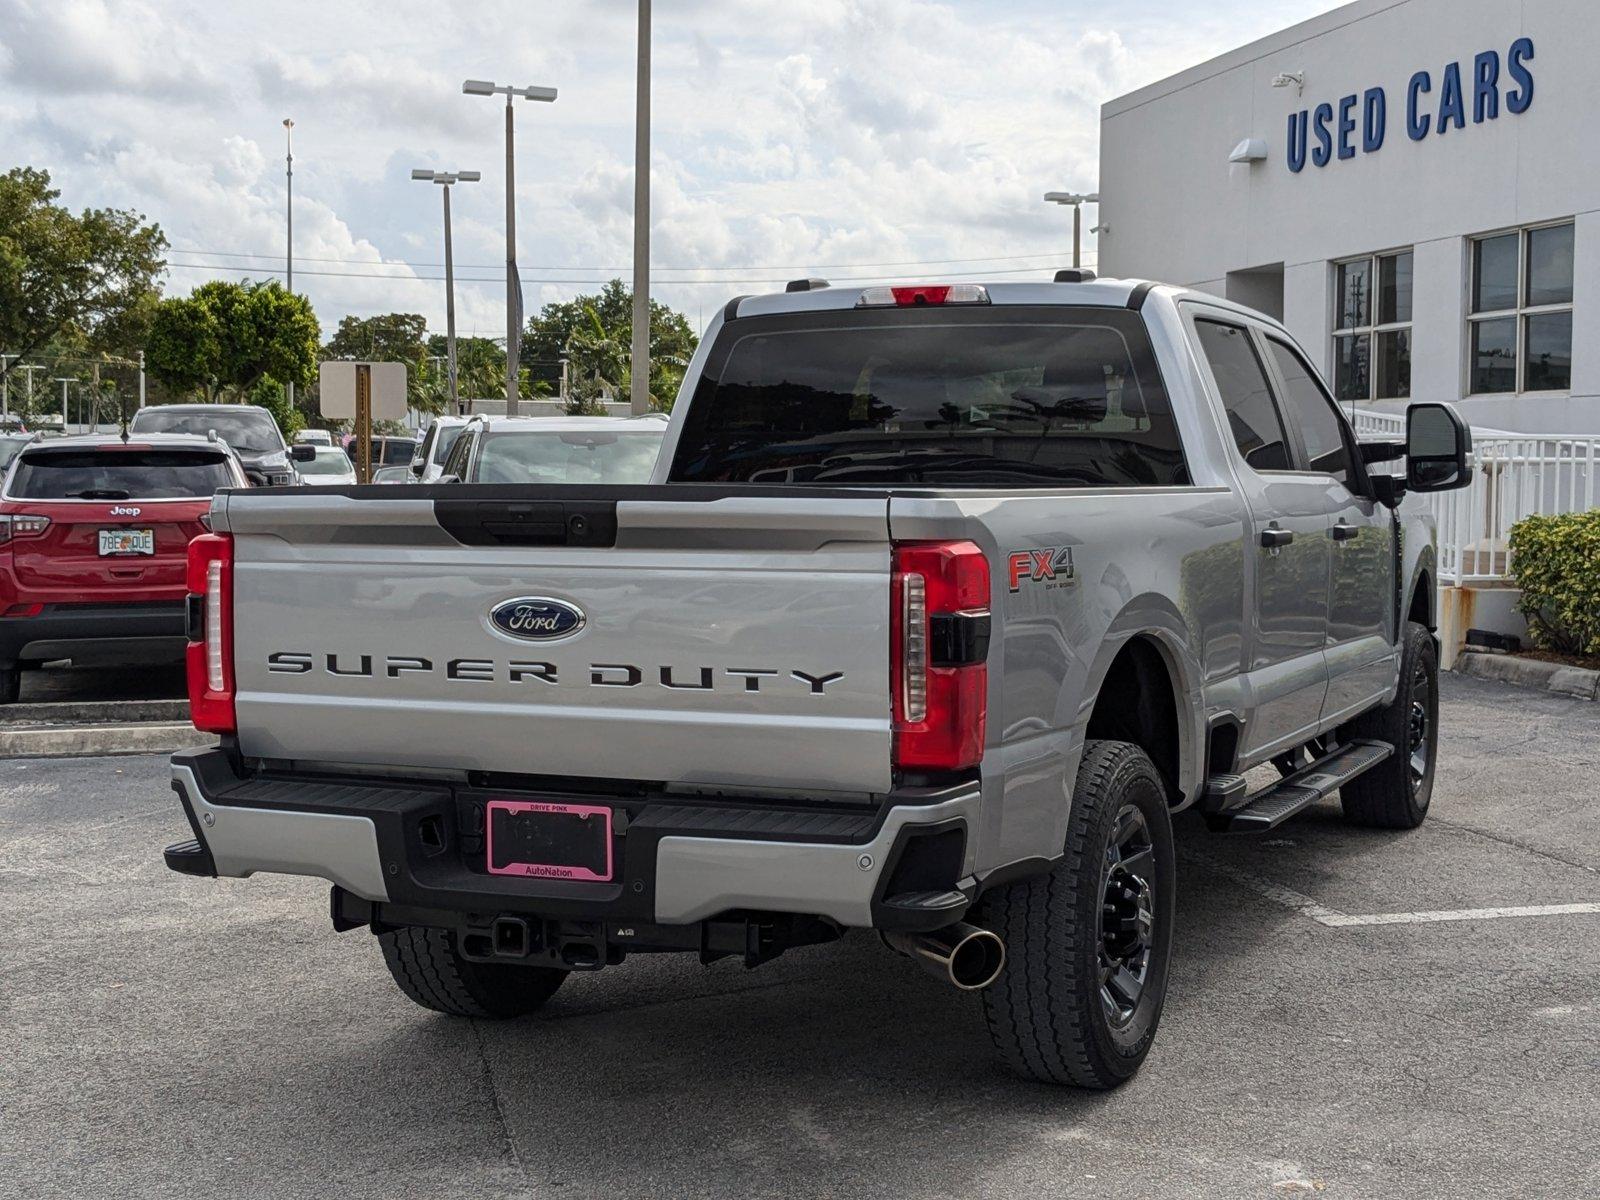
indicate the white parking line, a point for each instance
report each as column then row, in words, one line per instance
column 1334, row 919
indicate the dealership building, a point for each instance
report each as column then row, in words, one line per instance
column 1411, row 186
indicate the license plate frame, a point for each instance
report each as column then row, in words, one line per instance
column 127, row 543
column 541, row 829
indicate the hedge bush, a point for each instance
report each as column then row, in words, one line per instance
column 1556, row 563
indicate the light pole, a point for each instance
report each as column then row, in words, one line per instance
column 141, row 379
column 547, row 95
column 63, row 381
column 30, row 368
column 640, row 363
column 288, row 254
column 5, row 387
column 1077, row 200
column 446, row 179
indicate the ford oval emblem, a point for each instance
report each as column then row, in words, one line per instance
column 537, row 618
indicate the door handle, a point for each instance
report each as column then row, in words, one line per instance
column 1345, row 533
column 1276, row 539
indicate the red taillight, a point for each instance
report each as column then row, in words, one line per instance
column 209, row 654
column 939, row 643
column 21, row 525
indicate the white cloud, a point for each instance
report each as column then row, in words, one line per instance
column 790, row 138
column 104, row 47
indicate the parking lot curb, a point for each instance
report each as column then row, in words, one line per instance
column 95, row 712
column 1530, row 672
column 78, row 741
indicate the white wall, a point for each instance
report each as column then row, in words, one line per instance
column 1179, row 211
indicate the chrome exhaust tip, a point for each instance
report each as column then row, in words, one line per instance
column 962, row 955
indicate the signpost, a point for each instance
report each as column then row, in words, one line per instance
column 363, row 392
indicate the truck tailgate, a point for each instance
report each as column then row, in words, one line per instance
column 738, row 641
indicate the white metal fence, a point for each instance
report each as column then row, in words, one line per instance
column 1514, row 476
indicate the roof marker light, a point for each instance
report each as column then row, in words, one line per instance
column 924, row 296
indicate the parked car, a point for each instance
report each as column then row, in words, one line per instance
column 330, row 468
column 11, row 445
column 250, row 430
column 94, row 534
column 314, row 437
column 428, row 462
column 556, row 450
column 386, row 451
column 392, row 475
column 1058, row 560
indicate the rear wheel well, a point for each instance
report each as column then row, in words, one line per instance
column 1137, row 704
column 1422, row 602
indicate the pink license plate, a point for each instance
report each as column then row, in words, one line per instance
column 549, row 841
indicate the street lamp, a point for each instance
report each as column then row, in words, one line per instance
column 546, row 95
column 1077, row 200
column 446, row 179
column 288, row 254
column 63, row 381
column 30, row 368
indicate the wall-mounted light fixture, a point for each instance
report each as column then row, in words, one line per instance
column 1251, row 150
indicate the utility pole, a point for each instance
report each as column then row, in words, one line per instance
column 640, row 367
column 483, row 87
column 288, row 176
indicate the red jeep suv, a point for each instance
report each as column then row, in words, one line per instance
column 94, row 537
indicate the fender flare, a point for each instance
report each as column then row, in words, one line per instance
column 1155, row 619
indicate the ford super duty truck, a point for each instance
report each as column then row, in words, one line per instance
column 941, row 602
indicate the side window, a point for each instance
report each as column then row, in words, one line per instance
column 456, row 464
column 1309, row 408
column 1253, row 417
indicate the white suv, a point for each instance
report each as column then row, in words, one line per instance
column 428, row 463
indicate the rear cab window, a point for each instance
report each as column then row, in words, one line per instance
column 120, row 473
column 981, row 397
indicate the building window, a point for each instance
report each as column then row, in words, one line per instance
column 1372, row 327
column 1520, row 327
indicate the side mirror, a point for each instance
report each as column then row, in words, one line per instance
column 1438, row 444
column 418, row 466
column 301, row 452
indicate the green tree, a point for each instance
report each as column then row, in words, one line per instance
column 93, row 273
column 588, row 328
column 480, row 366
column 272, row 396
column 224, row 338
column 392, row 337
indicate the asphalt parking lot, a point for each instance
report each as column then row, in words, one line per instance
column 164, row 1036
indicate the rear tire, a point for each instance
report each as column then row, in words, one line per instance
column 1396, row 793
column 10, row 684
column 427, row 966
column 1087, row 945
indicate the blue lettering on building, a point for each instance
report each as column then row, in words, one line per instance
column 1490, row 84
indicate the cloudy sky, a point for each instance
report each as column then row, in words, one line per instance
column 847, row 138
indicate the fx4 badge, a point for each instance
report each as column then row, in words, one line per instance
column 1052, row 567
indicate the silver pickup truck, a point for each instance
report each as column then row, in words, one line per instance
column 941, row 602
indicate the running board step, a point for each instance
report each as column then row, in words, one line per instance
column 1305, row 787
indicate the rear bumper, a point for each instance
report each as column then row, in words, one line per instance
column 145, row 631
column 411, row 845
